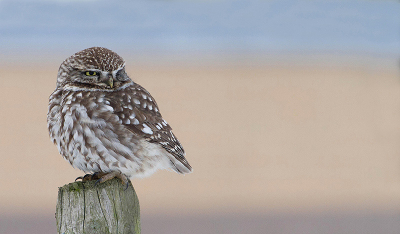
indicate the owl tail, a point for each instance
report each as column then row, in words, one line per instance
column 181, row 167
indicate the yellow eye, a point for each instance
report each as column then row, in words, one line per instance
column 91, row 73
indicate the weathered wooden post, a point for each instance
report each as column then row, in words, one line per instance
column 86, row 207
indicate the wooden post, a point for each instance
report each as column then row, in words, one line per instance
column 86, row 208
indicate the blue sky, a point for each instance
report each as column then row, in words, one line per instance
column 252, row 26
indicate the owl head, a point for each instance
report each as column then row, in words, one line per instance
column 95, row 68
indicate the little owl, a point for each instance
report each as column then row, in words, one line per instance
column 105, row 123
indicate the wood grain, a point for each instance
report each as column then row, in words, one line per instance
column 86, row 207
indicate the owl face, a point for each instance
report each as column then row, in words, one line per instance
column 97, row 79
column 94, row 68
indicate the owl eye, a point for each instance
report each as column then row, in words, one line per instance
column 91, row 73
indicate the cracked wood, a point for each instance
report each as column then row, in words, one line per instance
column 84, row 207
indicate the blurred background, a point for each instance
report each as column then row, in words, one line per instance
column 289, row 111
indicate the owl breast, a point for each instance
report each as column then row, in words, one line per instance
column 92, row 138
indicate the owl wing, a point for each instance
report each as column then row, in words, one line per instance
column 139, row 112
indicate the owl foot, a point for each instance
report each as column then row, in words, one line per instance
column 102, row 177
column 87, row 177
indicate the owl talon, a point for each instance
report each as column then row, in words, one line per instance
column 98, row 181
column 84, row 178
column 97, row 175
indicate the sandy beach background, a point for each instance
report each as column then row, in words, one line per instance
column 288, row 146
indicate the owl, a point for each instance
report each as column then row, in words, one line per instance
column 104, row 123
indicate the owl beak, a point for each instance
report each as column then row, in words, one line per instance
column 109, row 82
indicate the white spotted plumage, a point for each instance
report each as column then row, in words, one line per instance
column 109, row 123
